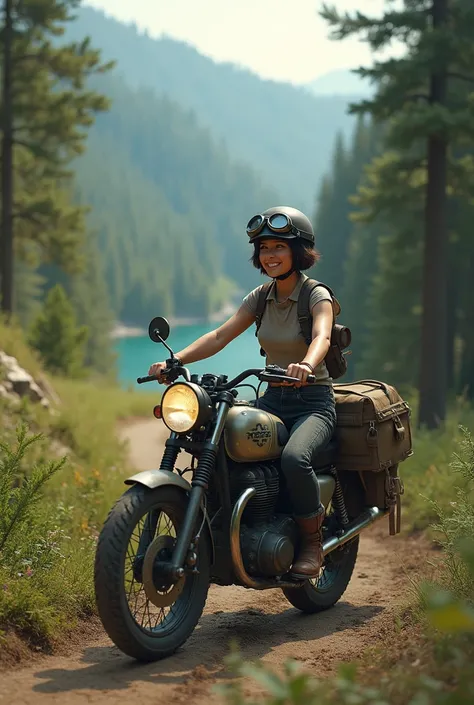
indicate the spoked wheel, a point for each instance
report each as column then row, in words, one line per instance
column 323, row 592
column 147, row 615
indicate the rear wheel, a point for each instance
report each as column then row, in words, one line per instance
column 143, row 613
column 323, row 592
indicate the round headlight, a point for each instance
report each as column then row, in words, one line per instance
column 185, row 406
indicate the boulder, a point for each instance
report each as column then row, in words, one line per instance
column 16, row 382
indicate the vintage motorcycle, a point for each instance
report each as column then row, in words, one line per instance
column 168, row 538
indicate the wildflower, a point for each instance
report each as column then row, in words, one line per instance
column 78, row 479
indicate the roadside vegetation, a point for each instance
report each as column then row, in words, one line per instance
column 60, row 471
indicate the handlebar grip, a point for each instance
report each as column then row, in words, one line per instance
column 148, row 378
column 311, row 379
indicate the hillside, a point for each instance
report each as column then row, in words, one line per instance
column 169, row 207
column 281, row 130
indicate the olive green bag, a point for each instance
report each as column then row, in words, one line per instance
column 374, row 435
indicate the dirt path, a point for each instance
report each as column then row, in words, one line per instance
column 265, row 625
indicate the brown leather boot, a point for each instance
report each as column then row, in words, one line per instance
column 310, row 558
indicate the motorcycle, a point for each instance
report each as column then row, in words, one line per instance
column 168, row 537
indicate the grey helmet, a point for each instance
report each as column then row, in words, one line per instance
column 283, row 222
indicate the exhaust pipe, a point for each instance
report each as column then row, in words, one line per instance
column 351, row 530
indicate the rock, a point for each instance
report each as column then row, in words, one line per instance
column 16, row 382
column 6, row 394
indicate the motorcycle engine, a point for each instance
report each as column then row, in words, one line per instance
column 267, row 540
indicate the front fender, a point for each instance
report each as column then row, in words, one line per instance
column 158, row 478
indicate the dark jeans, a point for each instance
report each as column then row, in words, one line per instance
column 309, row 414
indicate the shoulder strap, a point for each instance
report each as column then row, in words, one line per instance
column 261, row 303
column 304, row 314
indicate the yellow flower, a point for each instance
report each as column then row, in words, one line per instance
column 78, row 479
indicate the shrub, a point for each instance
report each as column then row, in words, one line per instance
column 57, row 337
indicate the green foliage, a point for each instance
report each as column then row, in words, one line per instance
column 30, row 547
column 456, row 522
column 53, row 108
column 51, row 510
column 91, row 302
column 169, row 234
column 18, row 495
column 57, row 337
column 332, row 222
column 425, row 98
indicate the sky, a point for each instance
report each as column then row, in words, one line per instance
column 283, row 40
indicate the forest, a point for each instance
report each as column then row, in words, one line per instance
column 132, row 186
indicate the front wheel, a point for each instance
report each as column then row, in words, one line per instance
column 323, row 592
column 147, row 617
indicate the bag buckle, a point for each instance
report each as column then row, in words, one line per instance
column 399, row 428
column 372, row 435
column 394, row 491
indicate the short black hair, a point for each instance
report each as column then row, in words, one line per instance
column 304, row 256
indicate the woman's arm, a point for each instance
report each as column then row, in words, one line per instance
column 321, row 333
column 323, row 317
column 214, row 341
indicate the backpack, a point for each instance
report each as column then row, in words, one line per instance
column 335, row 359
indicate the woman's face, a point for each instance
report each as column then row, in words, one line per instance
column 275, row 256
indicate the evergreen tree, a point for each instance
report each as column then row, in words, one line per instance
column 57, row 337
column 333, row 226
column 419, row 95
column 90, row 300
column 47, row 107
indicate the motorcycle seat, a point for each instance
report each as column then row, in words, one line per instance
column 326, row 457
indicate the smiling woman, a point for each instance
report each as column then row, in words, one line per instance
column 283, row 242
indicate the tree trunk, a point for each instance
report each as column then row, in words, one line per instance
column 466, row 375
column 433, row 377
column 6, row 271
column 452, row 325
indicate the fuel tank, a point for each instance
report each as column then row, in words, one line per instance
column 252, row 435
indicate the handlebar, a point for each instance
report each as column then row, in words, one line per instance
column 271, row 373
column 148, row 378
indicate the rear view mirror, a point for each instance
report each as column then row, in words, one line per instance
column 159, row 329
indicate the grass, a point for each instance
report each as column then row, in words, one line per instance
column 46, row 563
column 427, row 475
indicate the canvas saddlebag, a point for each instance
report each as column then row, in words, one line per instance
column 373, row 435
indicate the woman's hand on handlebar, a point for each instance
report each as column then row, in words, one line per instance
column 158, row 369
column 299, row 370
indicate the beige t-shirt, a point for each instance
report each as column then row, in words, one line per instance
column 280, row 333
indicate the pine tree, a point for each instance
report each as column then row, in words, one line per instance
column 419, row 95
column 47, row 108
column 57, row 337
column 90, row 300
column 333, row 225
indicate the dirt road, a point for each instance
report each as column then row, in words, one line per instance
column 265, row 625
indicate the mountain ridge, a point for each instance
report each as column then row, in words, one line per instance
column 282, row 130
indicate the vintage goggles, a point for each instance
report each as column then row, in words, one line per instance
column 277, row 223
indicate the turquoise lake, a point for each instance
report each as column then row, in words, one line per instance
column 135, row 355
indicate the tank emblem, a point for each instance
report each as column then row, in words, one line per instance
column 260, row 434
